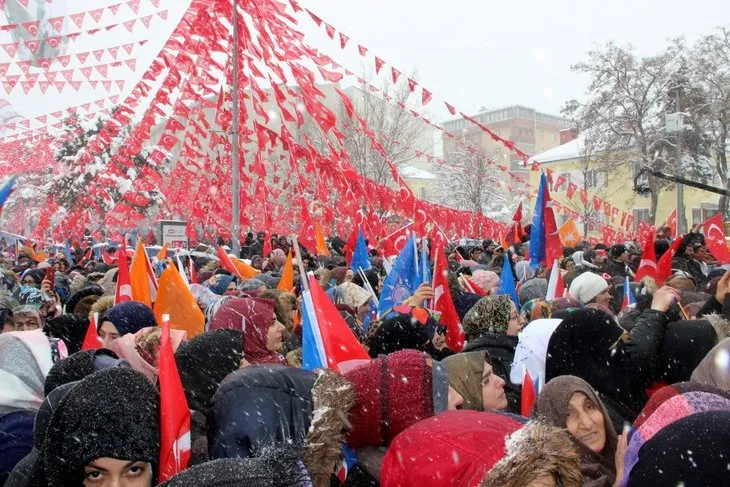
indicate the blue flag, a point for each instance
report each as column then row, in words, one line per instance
column 403, row 279
column 507, row 282
column 313, row 356
column 6, row 191
column 69, row 256
column 537, row 234
column 360, row 257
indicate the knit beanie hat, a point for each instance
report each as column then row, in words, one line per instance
column 392, row 392
column 69, row 328
column 490, row 314
column 275, row 467
column 129, row 317
column 77, row 366
column 112, row 413
column 486, row 280
column 205, row 361
column 587, row 286
column 535, row 288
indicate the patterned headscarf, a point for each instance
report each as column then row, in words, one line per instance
column 536, row 309
column 490, row 314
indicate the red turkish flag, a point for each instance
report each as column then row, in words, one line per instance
column 715, row 239
column 645, row 233
column 444, row 304
column 648, row 266
column 672, row 223
column 175, row 440
column 597, row 203
column 392, row 244
column 572, row 188
column 425, row 97
column 378, row 64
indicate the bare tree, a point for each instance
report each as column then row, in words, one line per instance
column 467, row 182
column 624, row 108
column 394, row 126
column 710, row 70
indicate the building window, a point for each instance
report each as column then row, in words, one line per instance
column 640, row 215
column 595, row 179
column 422, row 193
column 696, row 216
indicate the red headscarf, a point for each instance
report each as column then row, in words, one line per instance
column 252, row 316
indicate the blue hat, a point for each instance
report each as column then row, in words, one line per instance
column 129, row 317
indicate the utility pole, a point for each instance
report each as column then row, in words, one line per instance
column 681, row 216
column 235, row 248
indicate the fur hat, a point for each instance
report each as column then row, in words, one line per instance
column 535, row 288
column 112, row 413
column 533, row 451
column 587, row 286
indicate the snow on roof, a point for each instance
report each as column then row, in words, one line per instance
column 569, row 150
column 415, row 173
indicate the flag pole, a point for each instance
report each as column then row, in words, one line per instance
column 300, row 264
column 236, row 183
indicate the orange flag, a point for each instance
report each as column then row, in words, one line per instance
column 321, row 244
column 175, row 299
column 286, row 283
column 503, row 243
column 142, row 277
column 569, row 234
column 243, row 269
column 162, row 254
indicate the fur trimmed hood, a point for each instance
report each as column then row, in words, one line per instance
column 720, row 324
column 535, row 450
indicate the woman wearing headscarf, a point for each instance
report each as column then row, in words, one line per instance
column 203, row 363
column 470, row 374
column 142, row 349
column 691, row 451
column 263, row 333
column 104, row 431
column 531, row 351
column 407, row 328
column 570, row 402
column 221, row 284
column 122, row 319
column 492, row 325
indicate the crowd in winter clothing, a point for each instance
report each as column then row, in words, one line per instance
column 575, row 390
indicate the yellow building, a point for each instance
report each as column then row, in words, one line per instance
column 572, row 164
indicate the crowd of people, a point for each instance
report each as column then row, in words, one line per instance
column 625, row 395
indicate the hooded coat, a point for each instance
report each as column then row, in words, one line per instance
column 552, row 407
column 262, row 405
column 454, row 448
column 92, row 422
column 79, row 365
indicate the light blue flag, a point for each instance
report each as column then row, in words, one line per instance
column 403, row 280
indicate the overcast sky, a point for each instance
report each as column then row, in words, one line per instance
column 483, row 53
column 472, row 53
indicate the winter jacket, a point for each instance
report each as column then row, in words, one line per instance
column 712, row 305
column 644, row 346
column 693, row 268
column 615, row 268
column 264, row 405
column 501, row 350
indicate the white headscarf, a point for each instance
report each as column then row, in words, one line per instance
column 531, row 351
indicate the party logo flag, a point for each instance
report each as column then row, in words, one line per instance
column 629, row 299
column 6, row 191
column 175, row 299
column 569, row 234
column 124, row 286
column 91, row 339
column 360, row 256
column 69, row 255
column 443, row 304
column 327, row 341
column 142, row 277
column 537, row 233
column 286, row 283
column 507, row 282
column 402, row 281
column 175, row 442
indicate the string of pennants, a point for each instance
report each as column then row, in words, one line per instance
column 282, row 162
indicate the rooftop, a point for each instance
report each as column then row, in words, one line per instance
column 410, row 172
column 514, row 112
